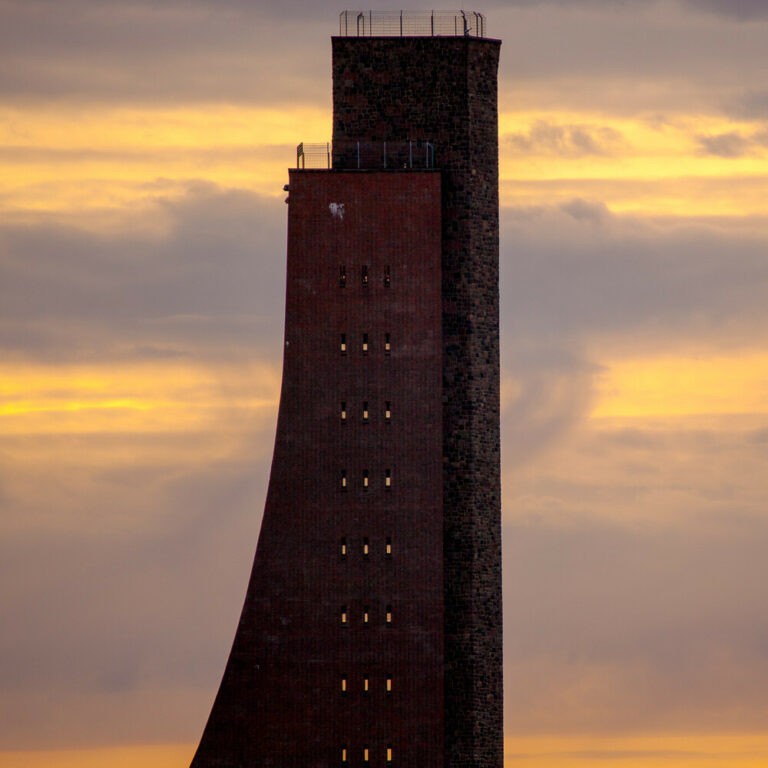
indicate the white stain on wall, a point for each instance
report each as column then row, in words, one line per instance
column 337, row 210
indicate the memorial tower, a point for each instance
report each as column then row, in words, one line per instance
column 371, row 629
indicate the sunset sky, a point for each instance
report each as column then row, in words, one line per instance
column 143, row 150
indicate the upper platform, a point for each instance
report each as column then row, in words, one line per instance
column 366, row 155
column 411, row 24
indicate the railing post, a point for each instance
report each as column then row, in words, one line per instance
column 385, row 154
column 401, row 23
column 358, row 155
column 432, row 22
column 328, row 152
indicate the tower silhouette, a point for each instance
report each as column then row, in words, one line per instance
column 371, row 629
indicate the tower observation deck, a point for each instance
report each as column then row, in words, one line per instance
column 371, row 629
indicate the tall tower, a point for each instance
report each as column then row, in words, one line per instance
column 371, row 630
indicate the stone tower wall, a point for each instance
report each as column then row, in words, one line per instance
column 444, row 90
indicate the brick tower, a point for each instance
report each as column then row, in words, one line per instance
column 371, row 630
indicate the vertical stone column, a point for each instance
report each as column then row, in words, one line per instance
column 444, row 90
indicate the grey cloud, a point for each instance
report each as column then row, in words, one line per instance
column 185, row 51
column 736, row 9
column 750, row 104
column 653, row 628
column 141, row 589
column 742, row 10
column 547, row 390
column 732, row 144
column 639, row 57
column 178, row 51
column 576, row 270
column 545, row 138
column 214, row 284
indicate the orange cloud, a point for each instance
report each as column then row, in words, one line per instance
column 641, row 387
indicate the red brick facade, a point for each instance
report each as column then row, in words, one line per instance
column 347, row 581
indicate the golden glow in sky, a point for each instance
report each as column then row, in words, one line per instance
column 157, row 397
column 132, row 466
column 735, row 750
column 679, row 386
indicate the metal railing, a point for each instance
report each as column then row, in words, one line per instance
column 366, row 155
column 313, row 155
column 411, row 24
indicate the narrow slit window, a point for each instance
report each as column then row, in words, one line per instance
column 365, row 410
column 366, row 614
column 389, row 685
column 388, row 411
column 366, row 547
column 387, row 277
column 343, row 684
column 389, row 614
column 388, row 547
column 343, row 614
column 365, row 275
column 387, row 478
column 343, row 547
column 365, row 478
column 387, row 342
column 365, row 342
column 343, row 345
column 343, row 479
column 365, row 754
column 343, row 276
column 389, row 754
column 343, row 411
column 343, row 754
column 365, row 684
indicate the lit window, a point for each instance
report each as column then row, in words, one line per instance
column 389, row 614
column 365, row 478
column 389, row 754
column 343, row 410
column 387, row 478
column 365, row 547
column 343, row 614
column 365, row 754
column 343, row 547
column 387, row 410
column 387, row 342
column 389, row 685
column 342, row 276
column 365, row 410
column 343, row 684
column 365, row 614
column 343, row 342
column 389, row 546
column 365, row 274
column 343, row 754
column 387, row 279
column 343, row 479
column 365, row 342
column 365, row 684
